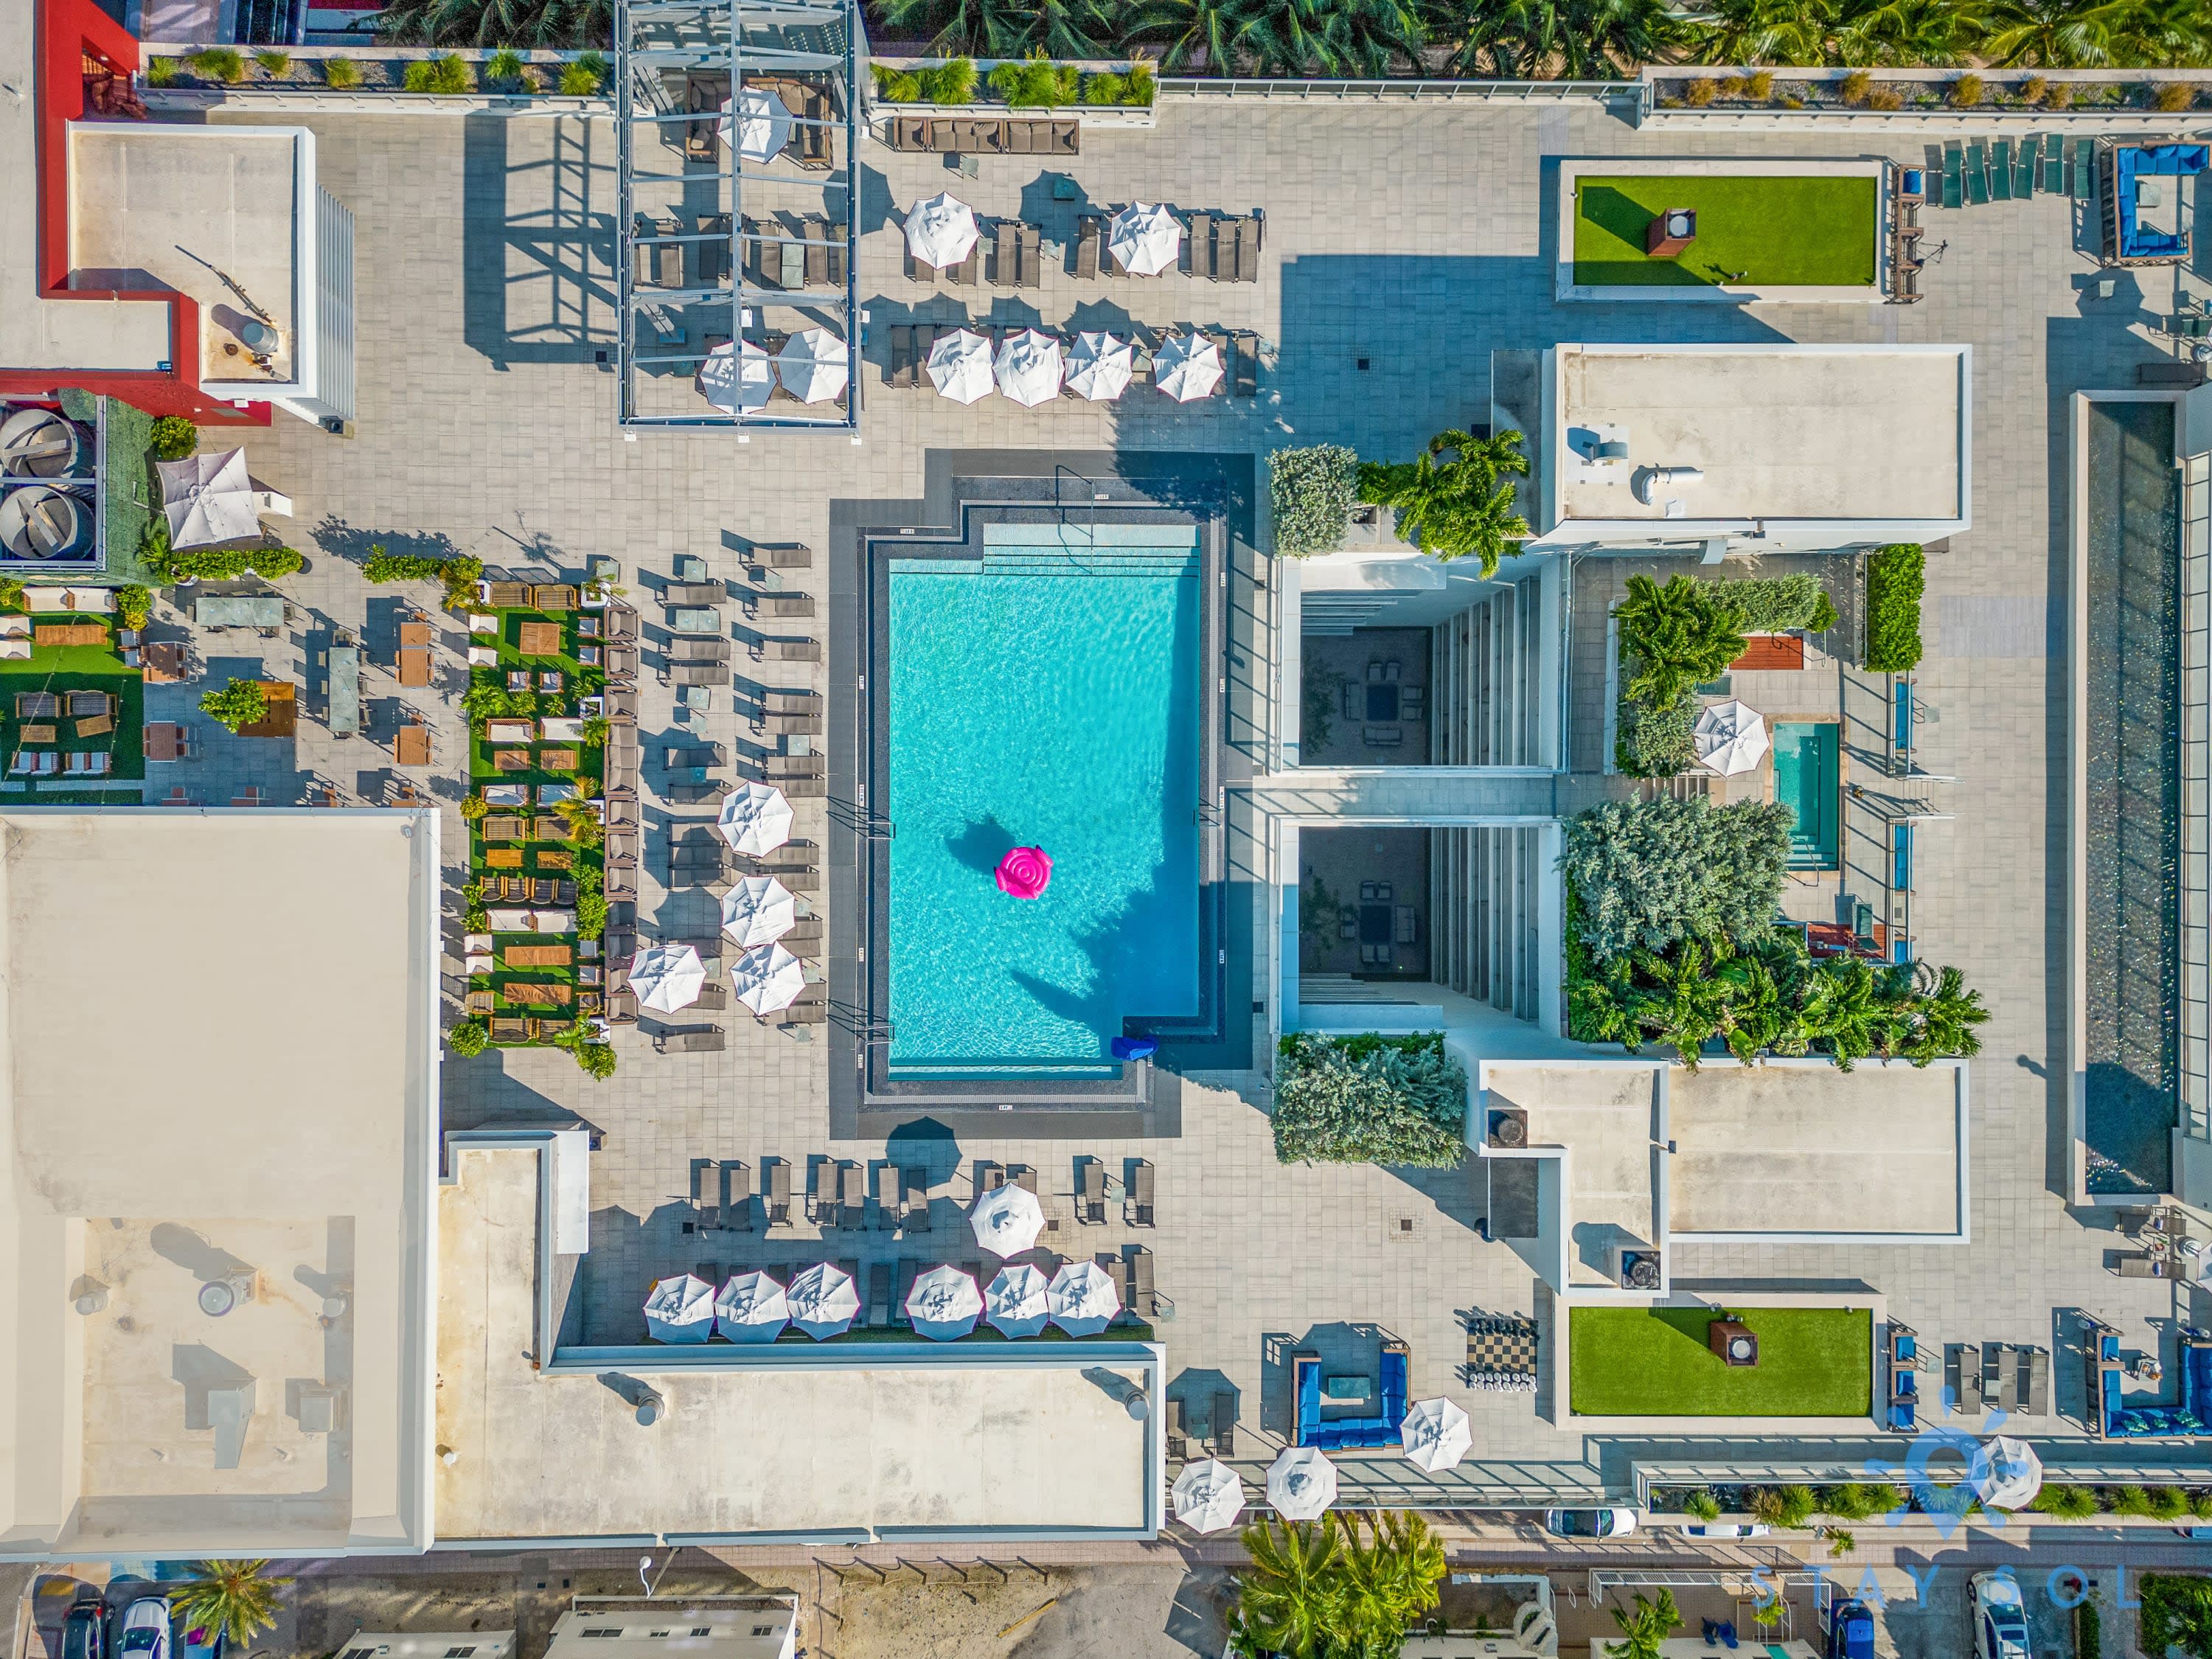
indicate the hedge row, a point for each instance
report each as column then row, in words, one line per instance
column 1895, row 576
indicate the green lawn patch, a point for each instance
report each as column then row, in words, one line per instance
column 61, row 669
column 1763, row 232
column 1653, row 1362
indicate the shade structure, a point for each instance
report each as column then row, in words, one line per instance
column 208, row 499
column 1187, row 369
column 1099, row 366
column 1007, row 1220
column 680, row 1309
column 813, row 365
column 758, row 910
column 1015, row 1301
column 737, row 376
column 940, row 231
column 1301, row 1483
column 2005, row 1473
column 767, row 979
column 1435, row 1435
column 945, row 1303
column 667, row 977
column 752, row 1307
column 960, row 366
column 756, row 819
column 761, row 122
column 1145, row 239
column 1029, row 367
column 1208, row 1495
column 1081, row 1299
column 1730, row 737
column 822, row 1301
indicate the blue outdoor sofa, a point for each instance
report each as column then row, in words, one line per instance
column 1385, row 1428
column 2191, row 1416
column 2126, row 237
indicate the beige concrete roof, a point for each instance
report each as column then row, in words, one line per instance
column 1604, row 1116
column 219, row 1035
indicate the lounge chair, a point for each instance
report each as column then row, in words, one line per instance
column 989, row 1176
column 779, row 606
column 1091, row 1198
column 2039, row 1383
column 1090, row 239
column 886, row 1214
column 879, row 1294
column 1199, row 242
column 779, row 1193
column 1029, row 271
column 1248, row 249
column 781, row 555
column 738, row 1197
column 1117, row 1269
column 707, row 1195
column 905, row 369
column 791, row 766
column 852, row 1196
column 1006, row 259
column 914, row 1199
column 1178, row 1446
column 1223, row 1423
column 1025, row 1178
column 909, row 1271
column 1141, row 1194
column 691, row 1040
column 1140, row 1301
column 1976, row 172
column 779, row 650
column 693, row 593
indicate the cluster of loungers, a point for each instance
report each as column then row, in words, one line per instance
column 984, row 137
column 811, row 253
column 1218, row 248
column 1239, row 348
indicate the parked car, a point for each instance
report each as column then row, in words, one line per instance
column 1589, row 1524
column 2000, row 1617
column 1725, row 1530
column 84, row 1631
column 145, row 1630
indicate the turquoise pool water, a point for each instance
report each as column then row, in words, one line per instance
column 1043, row 696
column 1808, row 780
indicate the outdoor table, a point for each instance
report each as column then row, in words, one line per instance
column 1382, row 702
column 96, row 726
column 539, row 639
column 37, row 705
column 1344, row 1388
column 694, row 619
column 69, row 633
column 413, row 633
column 524, row 991
column 411, row 746
column 238, row 610
column 413, row 665
column 164, row 663
column 345, row 690
column 538, row 956
column 40, row 734
column 163, row 740
column 559, row 760
column 511, row 760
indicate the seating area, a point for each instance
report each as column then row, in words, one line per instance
column 2145, row 220
column 2111, row 1418
column 986, row 136
column 1315, row 1391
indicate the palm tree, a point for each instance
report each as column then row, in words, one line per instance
column 963, row 28
column 1326, row 37
column 1678, row 636
column 1652, row 1623
column 1852, row 1010
column 1678, row 1000
column 1761, row 32
column 1908, row 33
column 2161, row 33
column 1287, row 1601
column 1571, row 40
column 1762, row 1016
column 1193, row 34
column 497, row 23
column 1458, row 508
column 1598, row 1006
column 1943, row 1015
column 1389, row 1579
column 2049, row 34
column 1065, row 29
column 229, row 1599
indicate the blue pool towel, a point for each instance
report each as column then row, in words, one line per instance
column 1135, row 1047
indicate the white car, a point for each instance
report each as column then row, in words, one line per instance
column 145, row 1633
column 1725, row 1530
column 1589, row 1524
column 1999, row 1618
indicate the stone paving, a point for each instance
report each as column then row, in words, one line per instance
column 1404, row 244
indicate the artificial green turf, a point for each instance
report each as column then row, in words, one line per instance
column 65, row 668
column 1774, row 231
column 1653, row 1362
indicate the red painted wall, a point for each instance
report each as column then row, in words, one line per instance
column 69, row 32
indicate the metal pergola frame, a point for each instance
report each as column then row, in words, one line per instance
column 813, row 38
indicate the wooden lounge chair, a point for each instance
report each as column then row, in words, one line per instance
column 1006, row 260
column 1090, row 238
column 691, row 1040
column 1141, row 1194
column 1223, row 1423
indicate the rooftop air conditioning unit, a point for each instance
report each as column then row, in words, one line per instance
column 1639, row 1270
column 1509, row 1128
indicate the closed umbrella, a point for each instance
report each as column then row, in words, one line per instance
column 762, row 124
column 752, row 1307
column 822, row 1301
column 755, row 819
column 737, row 376
column 813, row 365
column 767, row 979
column 941, row 231
column 208, row 499
column 680, row 1309
column 1015, row 1301
column 758, row 910
column 1730, row 737
column 1029, row 367
column 1187, row 368
column 944, row 1303
column 1145, row 239
column 1081, row 1300
column 1301, row 1483
column 667, row 977
column 1208, row 1495
column 2005, row 1473
column 1099, row 367
column 1007, row 1220
column 1435, row 1435
column 960, row 366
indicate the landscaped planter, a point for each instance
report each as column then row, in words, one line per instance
column 302, row 83
column 1922, row 99
column 987, row 105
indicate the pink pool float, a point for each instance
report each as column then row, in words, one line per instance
column 1024, row 872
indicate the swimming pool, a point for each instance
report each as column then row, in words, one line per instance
column 1045, row 694
column 1807, row 779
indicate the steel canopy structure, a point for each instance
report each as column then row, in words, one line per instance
column 738, row 125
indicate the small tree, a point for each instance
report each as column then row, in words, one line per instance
column 468, row 1037
column 1646, row 1627
column 134, row 605
column 1679, row 635
column 229, row 1599
column 174, row 437
column 1648, row 874
column 1457, row 500
column 1288, row 1600
column 1369, row 1100
column 1311, row 493
column 595, row 1058
column 239, row 704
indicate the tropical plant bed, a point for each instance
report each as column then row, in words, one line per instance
column 1765, row 92
column 2176, row 1614
column 1370, row 1099
column 1776, row 230
column 61, row 669
column 1654, row 1362
column 449, row 73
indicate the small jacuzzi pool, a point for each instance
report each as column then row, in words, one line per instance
column 1809, row 780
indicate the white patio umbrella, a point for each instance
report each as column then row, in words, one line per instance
column 1187, row 368
column 758, row 910
column 208, row 499
column 1208, row 1495
column 1730, row 737
column 960, row 366
column 822, row 1301
column 756, row 819
column 813, row 365
column 762, row 122
column 1435, row 1435
column 2005, row 1473
column 1099, row 366
column 667, row 977
column 767, row 979
column 752, row 1307
column 737, row 376
column 1301, row 1483
column 1007, row 1220
column 1081, row 1300
column 941, row 231
column 1145, row 239
column 1030, row 368
column 1014, row 1302
column 680, row 1309
column 944, row 1303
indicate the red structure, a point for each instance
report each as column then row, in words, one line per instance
column 85, row 61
